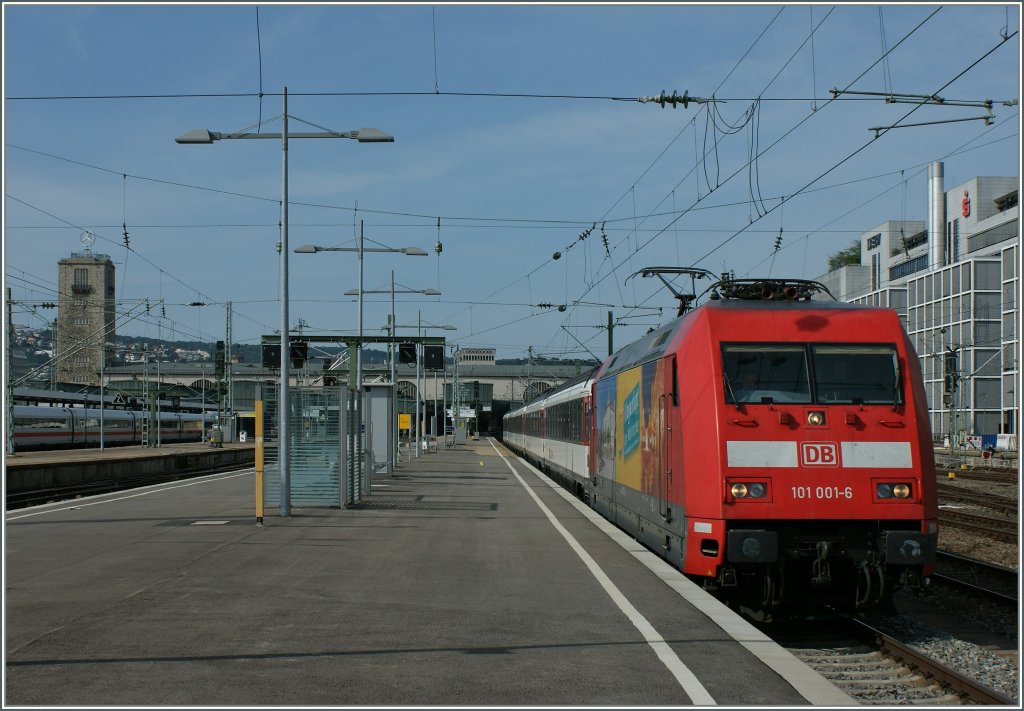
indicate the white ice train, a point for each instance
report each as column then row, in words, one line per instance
column 47, row 427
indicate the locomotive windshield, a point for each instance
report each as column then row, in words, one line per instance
column 759, row 372
column 856, row 374
column 842, row 373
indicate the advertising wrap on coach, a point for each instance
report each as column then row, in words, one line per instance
column 629, row 427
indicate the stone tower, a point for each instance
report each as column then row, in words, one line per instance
column 85, row 316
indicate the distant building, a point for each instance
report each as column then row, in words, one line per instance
column 955, row 284
column 477, row 356
column 85, row 316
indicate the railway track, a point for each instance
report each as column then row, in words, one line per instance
column 977, row 577
column 999, row 529
column 949, row 492
column 877, row 669
column 1004, row 476
column 37, row 497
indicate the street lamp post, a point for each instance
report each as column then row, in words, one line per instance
column 363, row 135
column 103, row 364
column 391, row 325
column 358, row 385
column 420, row 326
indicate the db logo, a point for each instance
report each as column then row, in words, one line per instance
column 819, row 454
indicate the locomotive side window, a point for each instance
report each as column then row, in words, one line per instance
column 762, row 372
column 856, row 374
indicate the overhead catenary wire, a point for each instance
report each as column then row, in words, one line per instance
column 861, row 148
column 636, row 230
column 191, row 289
column 510, row 222
column 259, row 59
column 919, row 170
column 594, row 281
column 777, row 141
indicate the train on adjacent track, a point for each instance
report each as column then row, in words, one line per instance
column 773, row 446
column 48, row 427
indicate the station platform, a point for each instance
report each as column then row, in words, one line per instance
column 113, row 453
column 466, row 578
column 34, row 470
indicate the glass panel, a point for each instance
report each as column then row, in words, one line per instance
column 898, row 300
column 986, row 394
column 855, row 374
column 986, row 275
column 988, row 363
column 765, row 373
column 956, row 280
column 987, row 306
column 986, row 333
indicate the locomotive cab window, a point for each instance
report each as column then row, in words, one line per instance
column 859, row 374
column 763, row 372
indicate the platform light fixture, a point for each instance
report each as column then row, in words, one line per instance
column 363, row 135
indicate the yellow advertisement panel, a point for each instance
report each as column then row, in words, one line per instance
column 630, row 428
column 628, row 456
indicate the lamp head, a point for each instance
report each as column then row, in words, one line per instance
column 413, row 252
column 431, row 292
column 306, row 249
column 373, row 135
column 196, row 135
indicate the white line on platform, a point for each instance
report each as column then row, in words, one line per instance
column 693, row 688
column 83, row 502
column 808, row 683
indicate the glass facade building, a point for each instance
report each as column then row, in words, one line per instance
column 960, row 299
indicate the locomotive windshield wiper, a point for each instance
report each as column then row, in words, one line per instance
column 728, row 387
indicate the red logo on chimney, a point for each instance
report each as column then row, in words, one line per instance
column 967, row 204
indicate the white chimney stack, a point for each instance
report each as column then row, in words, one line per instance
column 936, row 216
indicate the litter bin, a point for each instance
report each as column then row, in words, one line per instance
column 241, row 436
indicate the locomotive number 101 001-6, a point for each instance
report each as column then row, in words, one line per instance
column 822, row 492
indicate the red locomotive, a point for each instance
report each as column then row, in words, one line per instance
column 772, row 445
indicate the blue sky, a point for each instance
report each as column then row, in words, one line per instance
column 513, row 177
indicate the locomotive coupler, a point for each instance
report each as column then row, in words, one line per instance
column 821, row 569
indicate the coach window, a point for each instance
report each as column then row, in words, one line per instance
column 859, row 374
column 38, row 422
column 765, row 373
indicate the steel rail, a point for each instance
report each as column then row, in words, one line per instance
column 996, row 528
column 932, row 668
column 996, row 503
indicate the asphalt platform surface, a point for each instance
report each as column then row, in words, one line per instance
column 464, row 579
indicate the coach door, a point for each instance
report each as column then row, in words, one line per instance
column 667, row 414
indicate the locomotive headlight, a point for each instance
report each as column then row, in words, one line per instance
column 816, row 418
column 748, row 490
column 893, row 490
